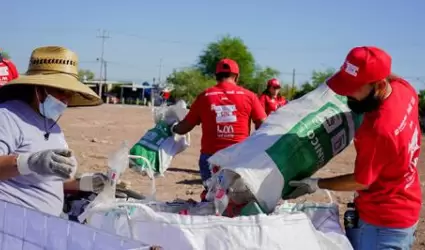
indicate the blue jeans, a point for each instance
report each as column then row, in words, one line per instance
column 204, row 167
column 370, row 237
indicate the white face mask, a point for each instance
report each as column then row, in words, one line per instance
column 52, row 108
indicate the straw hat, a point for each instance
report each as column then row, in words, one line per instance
column 56, row 67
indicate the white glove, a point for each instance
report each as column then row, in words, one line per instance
column 93, row 182
column 303, row 187
column 55, row 162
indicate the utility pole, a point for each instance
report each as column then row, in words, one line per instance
column 160, row 71
column 102, row 35
column 293, row 83
column 106, row 70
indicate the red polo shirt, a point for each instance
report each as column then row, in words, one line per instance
column 271, row 104
column 8, row 71
column 225, row 111
column 388, row 145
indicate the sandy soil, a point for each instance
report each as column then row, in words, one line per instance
column 93, row 133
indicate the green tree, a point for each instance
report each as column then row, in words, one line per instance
column 5, row 55
column 319, row 77
column 85, row 75
column 261, row 76
column 188, row 83
column 228, row 47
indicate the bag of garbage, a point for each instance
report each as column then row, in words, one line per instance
column 159, row 145
column 293, row 143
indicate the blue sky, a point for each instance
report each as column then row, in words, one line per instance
column 284, row 34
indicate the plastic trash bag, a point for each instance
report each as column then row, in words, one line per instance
column 159, row 145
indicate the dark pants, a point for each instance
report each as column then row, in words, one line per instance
column 204, row 167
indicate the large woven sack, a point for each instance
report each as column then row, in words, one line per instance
column 293, row 143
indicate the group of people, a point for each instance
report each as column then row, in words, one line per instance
column 36, row 164
column 385, row 176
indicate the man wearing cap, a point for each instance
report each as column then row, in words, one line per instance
column 225, row 112
column 388, row 146
column 271, row 99
column 8, row 70
column 36, row 164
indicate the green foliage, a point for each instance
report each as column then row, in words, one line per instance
column 228, row 47
column 259, row 82
column 319, row 77
column 188, row 83
column 85, row 74
column 5, row 55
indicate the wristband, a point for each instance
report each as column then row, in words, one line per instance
column 172, row 128
column 22, row 164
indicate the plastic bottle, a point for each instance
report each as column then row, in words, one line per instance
column 351, row 217
column 221, row 201
column 351, row 221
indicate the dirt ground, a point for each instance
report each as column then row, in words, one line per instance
column 93, row 133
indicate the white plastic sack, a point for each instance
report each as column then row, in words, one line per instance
column 293, row 143
column 173, row 231
column 26, row 229
column 324, row 216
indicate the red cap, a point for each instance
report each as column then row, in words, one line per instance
column 227, row 66
column 363, row 65
column 273, row 83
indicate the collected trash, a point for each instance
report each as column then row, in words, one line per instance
column 293, row 143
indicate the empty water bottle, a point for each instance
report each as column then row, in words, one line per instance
column 221, row 201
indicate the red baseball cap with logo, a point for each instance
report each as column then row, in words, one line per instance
column 273, row 83
column 227, row 66
column 363, row 65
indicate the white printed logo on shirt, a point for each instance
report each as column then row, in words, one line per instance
column 4, row 71
column 224, row 113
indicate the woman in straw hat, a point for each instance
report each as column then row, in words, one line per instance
column 35, row 162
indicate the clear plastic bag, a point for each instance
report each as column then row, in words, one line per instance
column 170, row 114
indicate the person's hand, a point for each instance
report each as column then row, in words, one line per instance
column 93, row 182
column 172, row 127
column 54, row 162
column 303, row 187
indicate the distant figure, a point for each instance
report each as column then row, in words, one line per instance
column 271, row 99
column 8, row 70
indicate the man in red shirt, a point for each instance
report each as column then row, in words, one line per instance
column 271, row 99
column 387, row 144
column 8, row 71
column 225, row 112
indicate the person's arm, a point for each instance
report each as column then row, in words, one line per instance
column 258, row 113
column 9, row 140
column 192, row 119
column 8, row 167
column 263, row 101
column 71, row 185
column 341, row 183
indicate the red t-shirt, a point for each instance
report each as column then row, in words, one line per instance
column 225, row 111
column 271, row 104
column 8, row 72
column 388, row 145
